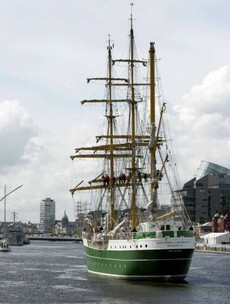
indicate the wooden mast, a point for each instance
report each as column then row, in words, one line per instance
column 110, row 118
column 152, row 119
column 133, row 129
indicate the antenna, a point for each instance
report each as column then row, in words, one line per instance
column 131, row 5
column 131, row 8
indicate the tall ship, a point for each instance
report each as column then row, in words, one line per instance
column 139, row 229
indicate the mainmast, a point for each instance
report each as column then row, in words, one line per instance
column 133, row 128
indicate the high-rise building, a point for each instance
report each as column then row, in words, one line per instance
column 47, row 215
column 208, row 193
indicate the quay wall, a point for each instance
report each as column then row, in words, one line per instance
column 52, row 238
column 221, row 249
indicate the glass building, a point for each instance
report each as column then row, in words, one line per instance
column 208, row 193
column 207, row 168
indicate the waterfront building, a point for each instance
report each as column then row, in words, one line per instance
column 207, row 193
column 214, row 238
column 47, row 215
column 207, row 168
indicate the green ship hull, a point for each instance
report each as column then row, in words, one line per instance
column 156, row 265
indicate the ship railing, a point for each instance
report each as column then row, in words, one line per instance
column 124, row 235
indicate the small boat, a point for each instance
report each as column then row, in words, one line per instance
column 130, row 234
column 15, row 236
column 4, row 246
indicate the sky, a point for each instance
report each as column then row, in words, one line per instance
column 48, row 48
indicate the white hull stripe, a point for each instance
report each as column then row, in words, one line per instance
column 137, row 276
column 137, row 260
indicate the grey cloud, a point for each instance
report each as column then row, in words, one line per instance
column 16, row 132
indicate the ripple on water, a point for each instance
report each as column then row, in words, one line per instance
column 12, row 284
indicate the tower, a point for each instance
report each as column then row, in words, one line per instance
column 47, row 215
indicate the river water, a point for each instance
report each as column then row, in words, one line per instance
column 55, row 272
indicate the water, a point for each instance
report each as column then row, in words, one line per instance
column 55, row 272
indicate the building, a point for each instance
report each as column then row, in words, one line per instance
column 65, row 227
column 203, row 228
column 47, row 215
column 221, row 238
column 208, row 193
column 220, row 222
column 65, row 223
column 207, row 168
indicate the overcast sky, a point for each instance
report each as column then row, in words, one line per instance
column 47, row 50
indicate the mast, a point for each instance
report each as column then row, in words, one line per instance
column 118, row 146
column 152, row 121
column 4, row 209
column 133, row 128
column 112, row 202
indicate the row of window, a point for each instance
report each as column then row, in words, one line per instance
column 126, row 247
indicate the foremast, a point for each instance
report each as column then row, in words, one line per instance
column 109, row 149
